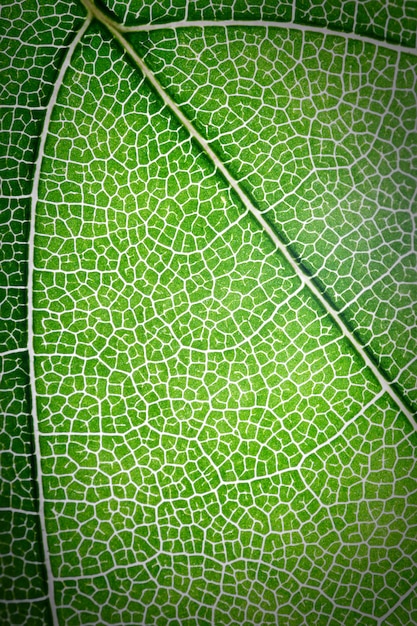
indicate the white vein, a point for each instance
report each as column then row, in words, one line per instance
column 10, row 352
column 258, row 24
column 31, row 350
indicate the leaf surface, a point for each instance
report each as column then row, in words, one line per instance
column 213, row 444
column 313, row 129
column 33, row 40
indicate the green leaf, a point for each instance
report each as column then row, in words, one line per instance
column 209, row 224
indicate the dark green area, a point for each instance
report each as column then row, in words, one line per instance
column 16, row 472
column 334, row 14
column 34, row 39
column 22, row 565
column 31, row 613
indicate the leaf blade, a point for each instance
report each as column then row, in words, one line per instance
column 147, row 440
column 360, row 251
column 31, row 55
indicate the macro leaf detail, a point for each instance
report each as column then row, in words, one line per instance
column 209, row 412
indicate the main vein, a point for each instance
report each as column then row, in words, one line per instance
column 117, row 31
column 31, row 347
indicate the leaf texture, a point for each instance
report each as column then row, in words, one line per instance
column 34, row 37
column 346, row 178
column 211, row 447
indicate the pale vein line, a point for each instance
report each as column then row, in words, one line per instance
column 169, row 102
column 15, row 107
column 12, row 509
column 31, row 349
column 293, row 10
column 15, row 351
column 304, row 28
column 355, row 16
column 22, row 600
column 22, row 196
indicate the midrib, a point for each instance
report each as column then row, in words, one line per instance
column 118, row 30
